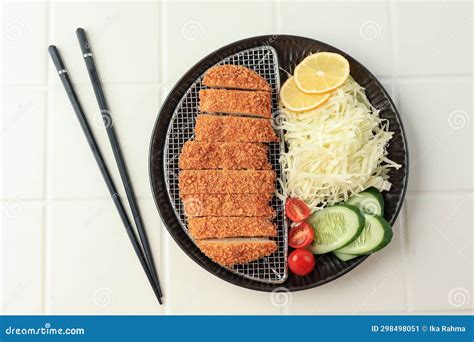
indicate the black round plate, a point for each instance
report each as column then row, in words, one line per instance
column 291, row 50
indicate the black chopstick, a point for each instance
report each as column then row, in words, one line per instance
column 66, row 81
column 108, row 122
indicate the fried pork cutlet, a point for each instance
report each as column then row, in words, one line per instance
column 255, row 103
column 229, row 252
column 230, row 156
column 228, row 205
column 222, row 227
column 234, row 76
column 226, row 182
column 218, row 128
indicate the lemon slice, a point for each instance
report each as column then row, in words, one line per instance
column 321, row 72
column 297, row 101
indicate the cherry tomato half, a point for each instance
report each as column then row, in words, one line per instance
column 301, row 262
column 301, row 235
column 296, row 210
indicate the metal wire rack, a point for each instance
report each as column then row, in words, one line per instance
column 264, row 60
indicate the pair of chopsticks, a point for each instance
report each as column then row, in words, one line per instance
column 144, row 255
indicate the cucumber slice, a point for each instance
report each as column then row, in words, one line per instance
column 345, row 257
column 377, row 234
column 335, row 227
column 370, row 201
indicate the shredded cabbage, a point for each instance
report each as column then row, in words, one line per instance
column 336, row 150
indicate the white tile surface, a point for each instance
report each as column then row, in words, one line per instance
column 362, row 29
column 123, row 37
column 24, row 32
column 195, row 29
column 74, row 173
column 22, row 137
column 421, row 53
column 92, row 268
column 439, row 257
column 433, row 37
column 22, row 257
column 202, row 293
column 439, row 133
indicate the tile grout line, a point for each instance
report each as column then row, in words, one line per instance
column 431, row 77
column 382, row 78
column 276, row 4
column 45, row 242
column 409, row 194
column 165, row 251
column 404, row 211
column 404, row 252
column 277, row 16
column 393, row 38
column 420, row 193
column 163, row 77
column 81, row 83
column 69, row 200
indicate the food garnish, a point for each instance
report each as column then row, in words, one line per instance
column 370, row 201
column 335, row 227
column 301, row 262
column 296, row 210
column 336, row 150
column 296, row 100
column 300, row 235
column 321, row 72
column 336, row 147
column 377, row 232
column 376, row 235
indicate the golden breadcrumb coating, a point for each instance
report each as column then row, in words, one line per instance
column 219, row 128
column 222, row 227
column 228, row 205
column 239, row 251
column 230, row 156
column 234, row 76
column 255, row 103
column 226, row 182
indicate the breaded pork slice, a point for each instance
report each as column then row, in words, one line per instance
column 230, row 156
column 228, row 205
column 226, row 182
column 222, row 227
column 218, row 128
column 254, row 103
column 234, row 76
column 229, row 252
